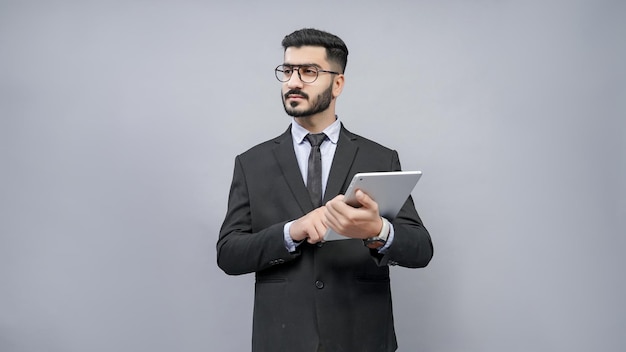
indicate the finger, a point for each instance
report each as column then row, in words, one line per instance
column 335, row 202
column 318, row 226
column 338, row 197
column 321, row 229
column 330, row 217
column 312, row 234
column 316, row 236
column 338, row 215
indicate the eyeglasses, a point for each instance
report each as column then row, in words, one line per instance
column 306, row 73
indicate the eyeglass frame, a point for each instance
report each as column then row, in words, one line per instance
column 293, row 68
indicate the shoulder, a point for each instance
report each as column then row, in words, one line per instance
column 363, row 142
column 365, row 154
column 267, row 146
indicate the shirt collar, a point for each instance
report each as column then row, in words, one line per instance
column 332, row 132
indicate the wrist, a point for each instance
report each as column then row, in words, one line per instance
column 379, row 240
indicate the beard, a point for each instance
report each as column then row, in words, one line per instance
column 318, row 105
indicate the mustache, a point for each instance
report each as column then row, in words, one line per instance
column 296, row 92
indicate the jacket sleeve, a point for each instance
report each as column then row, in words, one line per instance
column 239, row 249
column 412, row 246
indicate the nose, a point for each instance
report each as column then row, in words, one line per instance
column 295, row 81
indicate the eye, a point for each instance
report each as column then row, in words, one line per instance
column 287, row 70
column 309, row 70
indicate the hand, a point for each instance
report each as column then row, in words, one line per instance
column 363, row 222
column 311, row 227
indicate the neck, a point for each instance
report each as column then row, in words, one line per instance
column 318, row 122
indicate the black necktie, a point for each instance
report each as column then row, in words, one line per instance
column 314, row 176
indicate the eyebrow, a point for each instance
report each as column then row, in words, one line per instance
column 300, row 65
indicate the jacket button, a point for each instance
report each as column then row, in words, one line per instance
column 319, row 284
column 320, row 244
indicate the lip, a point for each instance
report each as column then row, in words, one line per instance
column 295, row 96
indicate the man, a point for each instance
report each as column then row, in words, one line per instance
column 312, row 295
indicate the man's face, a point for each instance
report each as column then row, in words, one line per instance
column 305, row 99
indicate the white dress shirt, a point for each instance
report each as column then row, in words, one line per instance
column 302, row 148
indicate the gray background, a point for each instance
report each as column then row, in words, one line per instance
column 120, row 121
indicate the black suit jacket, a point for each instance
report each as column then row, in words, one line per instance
column 336, row 293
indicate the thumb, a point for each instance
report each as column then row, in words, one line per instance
column 365, row 200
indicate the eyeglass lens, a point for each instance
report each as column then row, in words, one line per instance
column 307, row 74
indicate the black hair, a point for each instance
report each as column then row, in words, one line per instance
column 336, row 49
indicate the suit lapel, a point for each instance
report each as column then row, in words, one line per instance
column 286, row 156
column 342, row 163
column 339, row 172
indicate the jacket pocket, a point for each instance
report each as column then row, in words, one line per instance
column 372, row 279
column 270, row 279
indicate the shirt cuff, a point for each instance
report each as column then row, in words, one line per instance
column 289, row 243
column 384, row 248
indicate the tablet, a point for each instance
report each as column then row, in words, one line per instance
column 389, row 189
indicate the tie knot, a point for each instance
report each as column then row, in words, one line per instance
column 316, row 139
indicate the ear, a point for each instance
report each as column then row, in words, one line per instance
column 338, row 83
